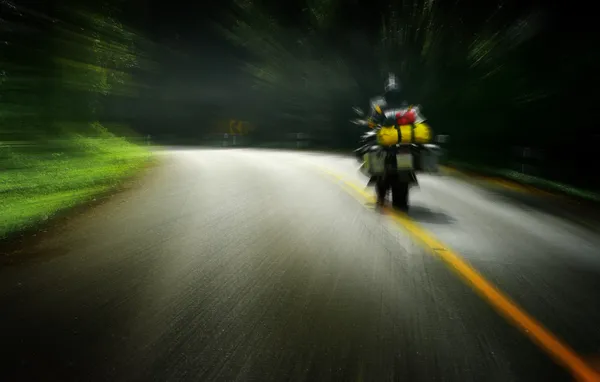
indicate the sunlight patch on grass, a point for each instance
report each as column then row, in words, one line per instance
column 39, row 182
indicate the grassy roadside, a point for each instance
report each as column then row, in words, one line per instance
column 38, row 181
column 527, row 180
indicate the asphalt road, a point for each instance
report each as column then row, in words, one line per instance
column 248, row 265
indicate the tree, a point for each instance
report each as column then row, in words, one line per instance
column 298, row 80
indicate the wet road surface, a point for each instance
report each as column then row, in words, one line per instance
column 253, row 265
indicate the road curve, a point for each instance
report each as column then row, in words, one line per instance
column 253, row 265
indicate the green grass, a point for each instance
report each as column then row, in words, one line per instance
column 40, row 180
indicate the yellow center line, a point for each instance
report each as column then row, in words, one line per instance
column 559, row 351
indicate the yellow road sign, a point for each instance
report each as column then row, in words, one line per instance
column 238, row 127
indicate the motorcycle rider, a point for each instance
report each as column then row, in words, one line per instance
column 385, row 108
column 391, row 109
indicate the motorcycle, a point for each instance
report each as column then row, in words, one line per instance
column 392, row 153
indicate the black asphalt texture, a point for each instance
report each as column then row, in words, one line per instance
column 253, row 265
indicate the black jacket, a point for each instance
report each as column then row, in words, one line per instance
column 383, row 108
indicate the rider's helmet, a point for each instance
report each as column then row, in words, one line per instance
column 393, row 94
column 392, row 85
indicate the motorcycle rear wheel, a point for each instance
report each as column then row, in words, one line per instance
column 400, row 195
